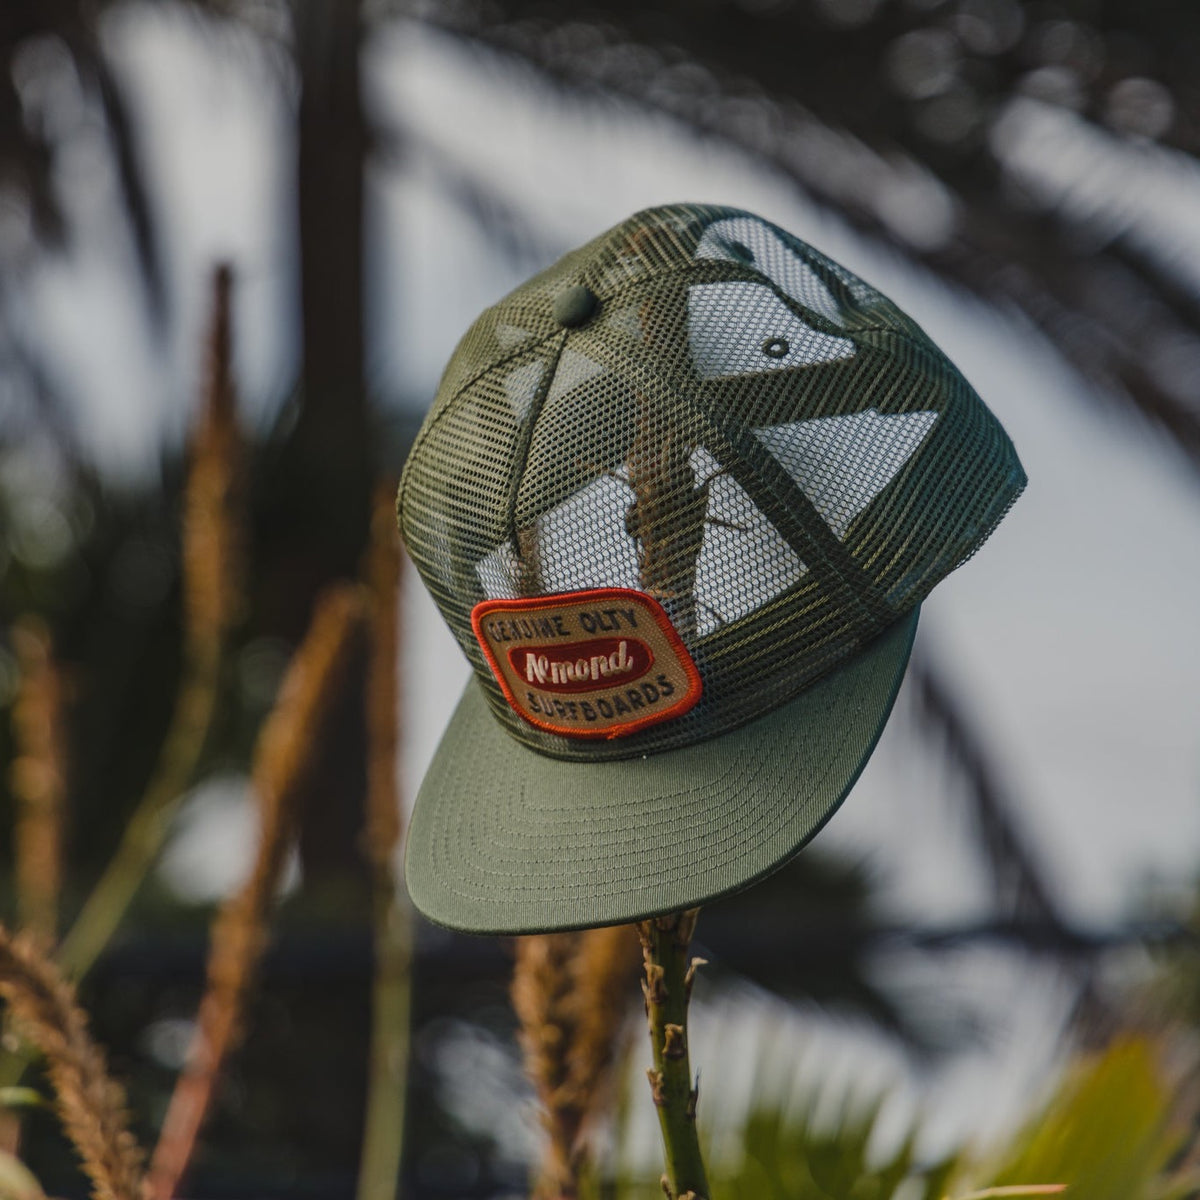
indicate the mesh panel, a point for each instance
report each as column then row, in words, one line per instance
column 743, row 429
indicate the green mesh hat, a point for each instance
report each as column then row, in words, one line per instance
column 678, row 498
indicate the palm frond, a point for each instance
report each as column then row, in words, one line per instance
column 835, row 105
column 507, row 226
column 1020, row 882
column 806, row 932
column 133, row 174
column 74, row 25
column 1111, row 1130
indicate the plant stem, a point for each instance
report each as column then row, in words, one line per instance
column 667, row 988
column 211, row 584
column 391, row 991
column 391, row 1002
column 143, row 836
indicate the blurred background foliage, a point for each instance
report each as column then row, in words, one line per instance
column 1110, row 1131
column 909, row 119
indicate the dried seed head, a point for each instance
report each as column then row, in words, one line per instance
column 90, row 1105
column 383, row 576
column 288, row 744
column 212, row 531
column 568, row 992
column 38, row 776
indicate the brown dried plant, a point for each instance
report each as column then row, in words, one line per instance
column 391, row 996
column 383, row 575
column 212, row 537
column 38, row 778
column 542, row 995
column 287, row 748
column 90, row 1105
column 605, row 963
column 568, row 991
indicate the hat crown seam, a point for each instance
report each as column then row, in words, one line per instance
column 525, row 435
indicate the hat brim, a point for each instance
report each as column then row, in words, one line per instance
column 506, row 840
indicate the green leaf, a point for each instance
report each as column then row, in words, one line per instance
column 1107, row 1133
column 22, row 1097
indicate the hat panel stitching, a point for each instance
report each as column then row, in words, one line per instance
column 711, row 844
column 441, row 406
column 965, row 420
column 714, row 269
column 525, row 435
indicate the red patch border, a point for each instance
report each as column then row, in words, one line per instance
column 623, row 728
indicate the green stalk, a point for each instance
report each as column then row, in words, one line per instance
column 391, row 990
column 667, row 988
column 387, row 1071
column 147, row 829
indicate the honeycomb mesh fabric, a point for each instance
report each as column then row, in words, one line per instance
column 743, row 429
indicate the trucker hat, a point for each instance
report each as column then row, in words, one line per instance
column 678, row 498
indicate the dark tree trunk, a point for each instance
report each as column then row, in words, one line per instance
column 318, row 500
column 329, row 443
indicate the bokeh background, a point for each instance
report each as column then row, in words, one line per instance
column 1020, row 856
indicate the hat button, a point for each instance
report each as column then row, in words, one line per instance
column 574, row 305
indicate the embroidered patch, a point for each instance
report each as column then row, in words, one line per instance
column 596, row 664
